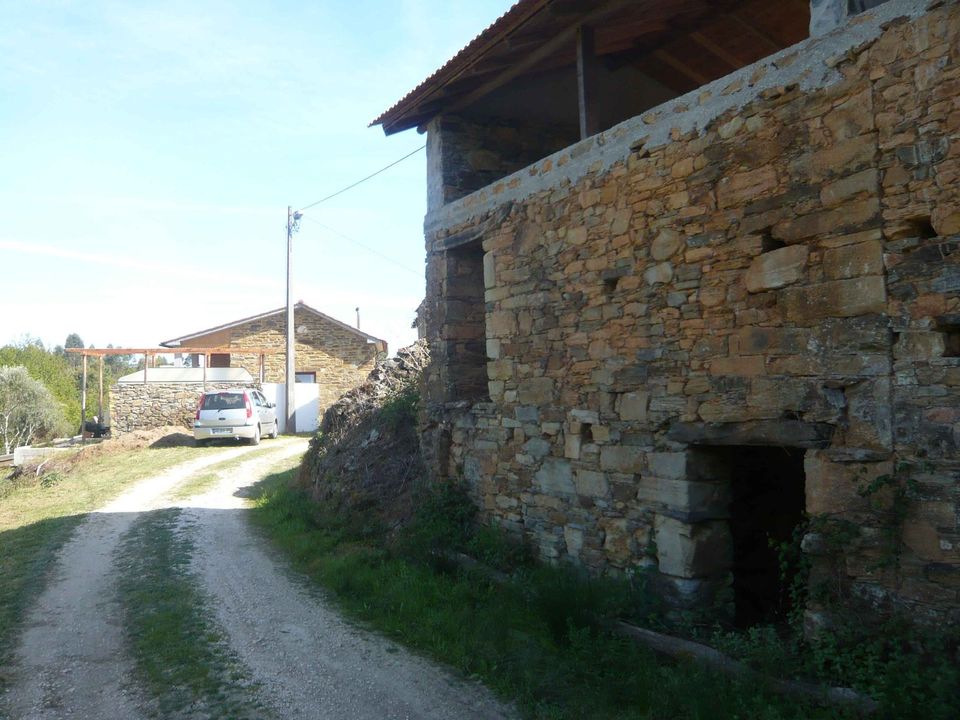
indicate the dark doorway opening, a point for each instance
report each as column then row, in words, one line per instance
column 767, row 505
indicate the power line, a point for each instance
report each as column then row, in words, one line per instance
column 365, row 247
column 358, row 182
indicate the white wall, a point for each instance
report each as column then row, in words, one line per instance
column 306, row 398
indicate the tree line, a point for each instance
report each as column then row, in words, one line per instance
column 40, row 389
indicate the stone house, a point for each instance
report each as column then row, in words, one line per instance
column 693, row 282
column 330, row 353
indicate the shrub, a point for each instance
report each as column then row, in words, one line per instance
column 400, row 410
column 28, row 412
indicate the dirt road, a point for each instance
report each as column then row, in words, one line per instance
column 306, row 662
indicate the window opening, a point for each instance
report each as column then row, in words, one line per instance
column 949, row 327
column 464, row 327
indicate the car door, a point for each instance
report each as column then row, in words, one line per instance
column 266, row 413
column 271, row 411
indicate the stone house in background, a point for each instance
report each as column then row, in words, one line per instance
column 694, row 278
column 330, row 353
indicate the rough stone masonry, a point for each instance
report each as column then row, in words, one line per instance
column 625, row 330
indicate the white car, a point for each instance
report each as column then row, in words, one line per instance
column 236, row 413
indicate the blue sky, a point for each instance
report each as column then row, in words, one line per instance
column 148, row 152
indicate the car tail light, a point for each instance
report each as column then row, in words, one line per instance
column 246, row 400
column 200, row 406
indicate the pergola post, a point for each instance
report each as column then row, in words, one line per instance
column 83, row 400
column 100, row 400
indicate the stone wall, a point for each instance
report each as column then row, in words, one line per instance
column 465, row 155
column 777, row 270
column 142, row 406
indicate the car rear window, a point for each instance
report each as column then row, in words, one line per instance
column 224, row 401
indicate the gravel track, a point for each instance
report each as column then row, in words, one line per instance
column 70, row 662
column 308, row 662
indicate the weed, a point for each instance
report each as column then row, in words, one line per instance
column 181, row 654
column 48, row 480
column 538, row 640
column 400, row 410
column 890, row 497
column 37, row 518
column 201, row 482
column 540, row 637
column 444, row 520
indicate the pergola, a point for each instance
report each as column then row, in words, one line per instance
column 149, row 355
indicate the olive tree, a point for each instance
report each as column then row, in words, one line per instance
column 28, row 411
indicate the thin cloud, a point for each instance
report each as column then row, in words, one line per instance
column 151, row 268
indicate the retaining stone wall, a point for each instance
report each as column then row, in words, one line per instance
column 142, row 406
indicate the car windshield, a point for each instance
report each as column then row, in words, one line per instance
column 224, row 401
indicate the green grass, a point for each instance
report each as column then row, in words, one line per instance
column 537, row 641
column 203, row 482
column 181, row 654
column 37, row 517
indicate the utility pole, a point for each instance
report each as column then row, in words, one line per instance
column 293, row 218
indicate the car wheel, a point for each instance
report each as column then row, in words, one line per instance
column 255, row 440
column 276, row 429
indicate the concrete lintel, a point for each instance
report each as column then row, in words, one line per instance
column 827, row 15
column 473, row 232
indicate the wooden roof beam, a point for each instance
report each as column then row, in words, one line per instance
column 772, row 45
column 711, row 47
column 667, row 58
column 587, row 85
column 565, row 37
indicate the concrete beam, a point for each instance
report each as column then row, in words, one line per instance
column 826, row 15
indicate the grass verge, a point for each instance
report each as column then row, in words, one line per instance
column 202, row 482
column 181, row 654
column 37, row 516
column 538, row 641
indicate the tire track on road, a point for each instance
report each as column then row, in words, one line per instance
column 70, row 661
column 308, row 661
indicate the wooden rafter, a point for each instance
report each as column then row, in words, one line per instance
column 702, row 39
column 563, row 38
column 681, row 67
column 772, row 45
column 714, row 49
